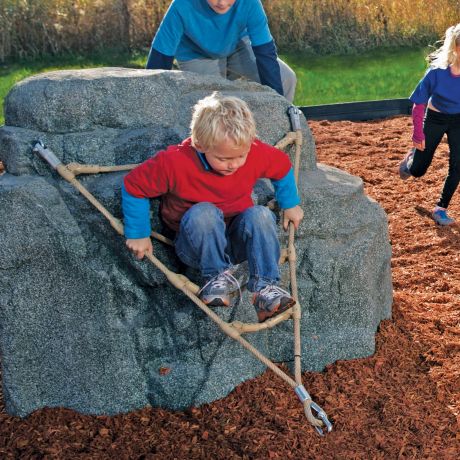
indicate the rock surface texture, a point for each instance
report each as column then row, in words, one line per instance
column 85, row 326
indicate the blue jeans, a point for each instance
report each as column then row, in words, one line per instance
column 206, row 243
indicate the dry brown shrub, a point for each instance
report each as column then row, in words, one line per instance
column 342, row 26
column 30, row 28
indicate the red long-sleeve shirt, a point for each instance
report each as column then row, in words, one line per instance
column 179, row 176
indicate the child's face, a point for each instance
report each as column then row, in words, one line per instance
column 221, row 6
column 225, row 158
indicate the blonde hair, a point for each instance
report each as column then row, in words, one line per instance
column 446, row 54
column 218, row 117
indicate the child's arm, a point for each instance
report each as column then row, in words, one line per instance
column 148, row 180
column 288, row 198
column 136, row 212
column 166, row 40
column 264, row 48
column 157, row 60
column 420, row 97
column 268, row 67
column 418, row 137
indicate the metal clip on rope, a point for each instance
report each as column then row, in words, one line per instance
column 46, row 154
column 294, row 115
column 320, row 419
column 320, row 415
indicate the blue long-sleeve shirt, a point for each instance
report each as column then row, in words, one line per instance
column 441, row 87
column 191, row 29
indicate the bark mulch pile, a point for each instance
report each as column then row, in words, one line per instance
column 403, row 402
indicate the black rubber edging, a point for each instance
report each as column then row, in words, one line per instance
column 358, row 111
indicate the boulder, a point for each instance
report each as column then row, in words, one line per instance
column 84, row 325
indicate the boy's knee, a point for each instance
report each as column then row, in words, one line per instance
column 203, row 215
column 260, row 216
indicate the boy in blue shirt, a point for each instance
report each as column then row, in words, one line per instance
column 229, row 38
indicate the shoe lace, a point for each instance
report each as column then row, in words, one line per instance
column 221, row 281
column 271, row 291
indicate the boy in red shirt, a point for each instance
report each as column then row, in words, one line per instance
column 205, row 185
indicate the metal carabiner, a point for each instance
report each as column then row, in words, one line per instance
column 308, row 403
column 41, row 149
column 320, row 414
column 294, row 115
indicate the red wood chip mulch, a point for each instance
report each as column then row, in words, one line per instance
column 403, row 402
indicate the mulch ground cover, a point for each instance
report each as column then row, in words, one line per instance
column 401, row 403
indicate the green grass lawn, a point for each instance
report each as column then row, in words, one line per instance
column 383, row 74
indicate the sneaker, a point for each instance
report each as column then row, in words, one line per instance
column 440, row 216
column 404, row 166
column 219, row 290
column 271, row 301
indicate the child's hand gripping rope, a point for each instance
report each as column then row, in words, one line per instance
column 140, row 247
column 294, row 215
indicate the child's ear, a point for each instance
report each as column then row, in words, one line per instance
column 198, row 147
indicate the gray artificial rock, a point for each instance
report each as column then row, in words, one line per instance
column 86, row 326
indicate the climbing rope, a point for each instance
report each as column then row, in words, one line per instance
column 315, row 415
